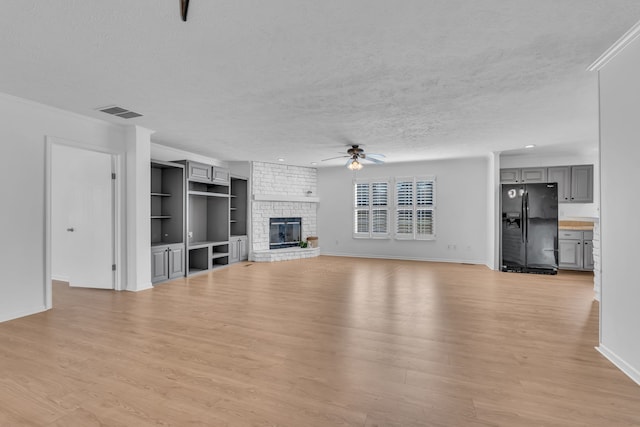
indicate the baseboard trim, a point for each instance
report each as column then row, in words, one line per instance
column 143, row 287
column 375, row 256
column 60, row 278
column 620, row 363
column 5, row 317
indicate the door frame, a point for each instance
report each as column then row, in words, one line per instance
column 117, row 204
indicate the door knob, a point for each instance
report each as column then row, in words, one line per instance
column 71, row 229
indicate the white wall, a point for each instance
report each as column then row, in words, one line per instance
column 22, row 180
column 620, row 222
column 588, row 157
column 462, row 209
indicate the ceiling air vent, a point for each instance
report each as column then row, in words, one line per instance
column 120, row 112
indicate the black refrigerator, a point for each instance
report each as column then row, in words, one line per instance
column 530, row 228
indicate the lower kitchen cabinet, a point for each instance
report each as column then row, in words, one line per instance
column 238, row 249
column 575, row 250
column 167, row 262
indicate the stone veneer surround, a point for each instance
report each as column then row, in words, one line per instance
column 286, row 187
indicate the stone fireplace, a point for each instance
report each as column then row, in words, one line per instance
column 282, row 192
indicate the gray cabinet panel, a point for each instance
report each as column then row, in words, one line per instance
column 234, row 251
column 575, row 249
column 570, row 254
column 561, row 175
column 587, row 247
column 176, row 261
column 509, row 176
column 244, row 249
column 533, row 175
column 159, row 265
column 582, row 184
column 200, row 172
column 220, row 175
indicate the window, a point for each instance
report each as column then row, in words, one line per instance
column 415, row 208
column 371, row 209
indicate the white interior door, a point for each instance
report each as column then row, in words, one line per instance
column 82, row 217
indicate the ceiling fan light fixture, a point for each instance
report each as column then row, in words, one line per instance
column 355, row 165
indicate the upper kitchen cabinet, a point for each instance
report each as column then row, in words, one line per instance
column 524, row 175
column 561, row 175
column 575, row 183
column 509, row 176
column 582, row 184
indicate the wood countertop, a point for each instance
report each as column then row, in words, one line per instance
column 575, row 225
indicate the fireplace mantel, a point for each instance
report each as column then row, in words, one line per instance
column 285, row 198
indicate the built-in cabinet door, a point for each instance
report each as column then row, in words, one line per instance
column 588, row 254
column 529, row 175
column 562, row 176
column 509, row 176
column 234, row 248
column 159, row 261
column 570, row 254
column 221, row 175
column 582, row 184
column 200, row 172
column 176, row 261
column 244, row 249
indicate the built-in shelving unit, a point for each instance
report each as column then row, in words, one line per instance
column 167, row 220
column 207, row 189
column 238, row 250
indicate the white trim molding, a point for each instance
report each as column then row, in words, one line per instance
column 284, row 198
column 629, row 370
column 616, row 48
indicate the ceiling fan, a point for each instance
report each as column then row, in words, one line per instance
column 355, row 154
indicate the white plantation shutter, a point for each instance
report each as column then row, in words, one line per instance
column 415, row 208
column 371, row 210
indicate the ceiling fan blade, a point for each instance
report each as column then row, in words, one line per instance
column 374, row 159
column 333, row 158
column 376, row 156
column 349, row 162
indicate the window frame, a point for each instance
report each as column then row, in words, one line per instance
column 414, row 208
column 370, row 208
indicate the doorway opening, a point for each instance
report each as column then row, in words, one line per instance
column 82, row 217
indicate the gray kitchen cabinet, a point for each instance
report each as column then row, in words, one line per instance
column 528, row 175
column 167, row 262
column 575, row 183
column 509, row 176
column 575, row 250
column 582, row 184
column 524, row 175
column 561, row 175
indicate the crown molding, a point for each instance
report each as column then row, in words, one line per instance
column 617, row 47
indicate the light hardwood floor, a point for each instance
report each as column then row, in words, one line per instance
column 319, row 342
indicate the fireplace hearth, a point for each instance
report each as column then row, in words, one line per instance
column 285, row 232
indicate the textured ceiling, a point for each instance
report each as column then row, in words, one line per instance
column 300, row 79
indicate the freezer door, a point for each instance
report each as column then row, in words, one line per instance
column 541, row 231
column 513, row 246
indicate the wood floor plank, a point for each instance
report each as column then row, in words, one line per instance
column 327, row 341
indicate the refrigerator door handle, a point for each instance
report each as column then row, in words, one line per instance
column 522, row 219
column 526, row 204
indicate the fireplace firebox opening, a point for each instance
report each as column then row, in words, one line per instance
column 285, row 232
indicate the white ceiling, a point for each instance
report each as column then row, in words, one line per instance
column 300, row 79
